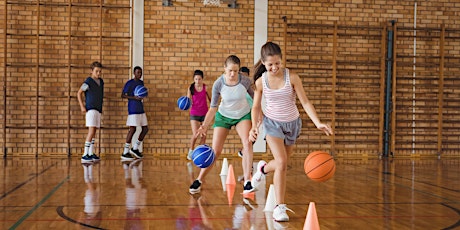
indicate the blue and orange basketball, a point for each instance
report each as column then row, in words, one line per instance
column 141, row 91
column 319, row 166
column 203, row 156
column 184, row 103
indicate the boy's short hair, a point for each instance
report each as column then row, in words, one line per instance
column 244, row 69
column 136, row 68
column 96, row 64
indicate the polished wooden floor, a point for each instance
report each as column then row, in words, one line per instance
column 153, row 194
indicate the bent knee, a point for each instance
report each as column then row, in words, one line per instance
column 281, row 164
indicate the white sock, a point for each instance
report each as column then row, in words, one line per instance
column 137, row 144
column 126, row 148
column 91, row 148
column 87, row 145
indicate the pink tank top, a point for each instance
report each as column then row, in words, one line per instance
column 280, row 103
column 199, row 103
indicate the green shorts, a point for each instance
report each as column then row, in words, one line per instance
column 225, row 122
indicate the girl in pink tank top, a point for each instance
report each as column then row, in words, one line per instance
column 200, row 97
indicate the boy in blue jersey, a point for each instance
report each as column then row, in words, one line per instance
column 93, row 88
column 136, row 117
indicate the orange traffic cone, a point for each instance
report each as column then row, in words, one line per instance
column 311, row 222
column 250, row 195
column 230, row 193
column 231, row 176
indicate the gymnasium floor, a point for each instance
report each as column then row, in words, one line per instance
column 51, row 193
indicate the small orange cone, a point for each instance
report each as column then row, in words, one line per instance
column 250, row 195
column 230, row 193
column 311, row 222
column 231, row 176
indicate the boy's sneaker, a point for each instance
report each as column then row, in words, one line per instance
column 136, row 153
column 259, row 175
column 189, row 155
column 248, row 188
column 240, row 154
column 95, row 158
column 279, row 213
column 195, row 187
column 126, row 157
column 86, row 159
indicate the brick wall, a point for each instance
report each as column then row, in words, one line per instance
column 189, row 36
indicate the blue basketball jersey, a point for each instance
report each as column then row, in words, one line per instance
column 134, row 106
column 94, row 95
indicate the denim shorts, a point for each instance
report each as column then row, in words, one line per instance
column 289, row 131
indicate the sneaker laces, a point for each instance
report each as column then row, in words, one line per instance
column 283, row 206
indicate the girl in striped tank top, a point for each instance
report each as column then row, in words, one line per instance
column 281, row 122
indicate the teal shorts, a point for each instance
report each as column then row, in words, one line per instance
column 225, row 122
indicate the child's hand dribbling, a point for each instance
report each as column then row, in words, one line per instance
column 201, row 131
column 253, row 134
column 325, row 128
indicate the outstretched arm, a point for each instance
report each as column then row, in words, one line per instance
column 256, row 112
column 207, row 121
column 307, row 105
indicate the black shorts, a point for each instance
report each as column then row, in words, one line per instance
column 197, row 118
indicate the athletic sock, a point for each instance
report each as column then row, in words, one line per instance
column 126, row 148
column 87, row 146
column 137, row 144
column 91, row 147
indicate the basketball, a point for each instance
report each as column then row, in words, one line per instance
column 319, row 166
column 203, row 156
column 141, row 91
column 184, row 103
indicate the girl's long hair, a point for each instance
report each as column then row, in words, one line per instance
column 268, row 49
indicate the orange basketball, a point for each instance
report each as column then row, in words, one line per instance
column 319, row 166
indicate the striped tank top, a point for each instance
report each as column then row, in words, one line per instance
column 280, row 103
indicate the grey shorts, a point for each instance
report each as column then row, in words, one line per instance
column 289, row 131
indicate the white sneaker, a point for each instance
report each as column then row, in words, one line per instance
column 189, row 155
column 259, row 175
column 279, row 213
